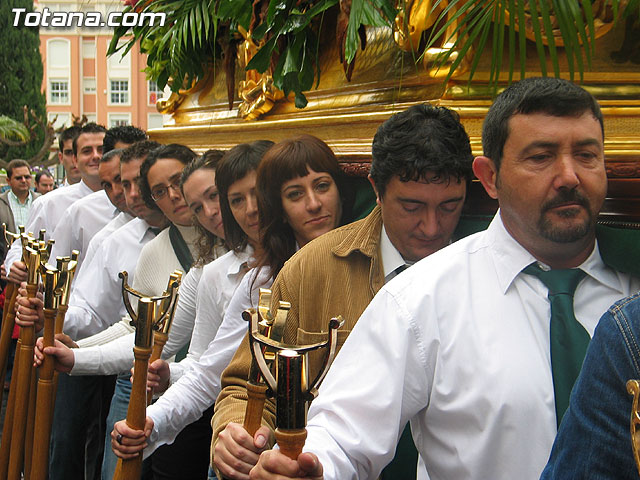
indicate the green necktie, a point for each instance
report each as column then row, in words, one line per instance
column 569, row 339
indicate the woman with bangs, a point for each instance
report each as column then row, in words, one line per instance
column 298, row 195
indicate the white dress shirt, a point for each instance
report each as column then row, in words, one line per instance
column 80, row 222
column 459, row 345
column 198, row 389
column 96, row 301
column 220, row 281
column 120, row 220
column 46, row 212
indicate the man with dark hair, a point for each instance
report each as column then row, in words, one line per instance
column 16, row 202
column 65, row 155
column 87, row 216
column 479, row 344
column 44, row 182
column 420, row 169
column 122, row 137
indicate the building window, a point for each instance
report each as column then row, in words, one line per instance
column 119, row 91
column 91, row 117
column 88, row 49
column 58, row 91
column 59, row 119
column 119, row 119
column 155, row 93
column 89, row 85
column 154, row 120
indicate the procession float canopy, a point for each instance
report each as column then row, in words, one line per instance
column 242, row 70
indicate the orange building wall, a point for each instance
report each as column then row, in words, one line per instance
column 97, row 103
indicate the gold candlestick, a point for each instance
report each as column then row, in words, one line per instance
column 291, row 386
column 151, row 311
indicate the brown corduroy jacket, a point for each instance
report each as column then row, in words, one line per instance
column 336, row 274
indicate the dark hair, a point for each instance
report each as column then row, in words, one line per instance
column 288, row 159
column 235, row 165
column 208, row 159
column 125, row 134
column 548, row 95
column 423, row 142
column 17, row 163
column 174, row 151
column 138, row 150
column 67, row 134
column 43, row 173
column 111, row 154
column 87, row 128
column 206, row 241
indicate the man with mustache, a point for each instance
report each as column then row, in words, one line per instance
column 479, row 344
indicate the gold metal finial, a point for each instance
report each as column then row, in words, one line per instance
column 151, row 310
column 633, row 387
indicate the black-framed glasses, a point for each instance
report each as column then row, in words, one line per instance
column 160, row 191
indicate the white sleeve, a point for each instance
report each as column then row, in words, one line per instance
column 123, row 327
column 63, row 233
column 208, row 317
column 108, row 359
column 96, row 301
column 378, row 381
column 185, row 401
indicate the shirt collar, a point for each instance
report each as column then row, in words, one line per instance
column 391, row 258
column 511, row 258
column 84, row 187
column 240, row 261
column 15, row 198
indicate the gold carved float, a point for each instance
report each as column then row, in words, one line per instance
column 393, row 73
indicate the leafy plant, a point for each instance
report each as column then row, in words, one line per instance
column 481, row 22
column 200, row 31
column 11, row 129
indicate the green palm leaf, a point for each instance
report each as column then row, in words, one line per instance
column 11, row 129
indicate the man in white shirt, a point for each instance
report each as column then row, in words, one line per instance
column 459, row 345
column 47, row 210
column 84, row 218
column 87, row 216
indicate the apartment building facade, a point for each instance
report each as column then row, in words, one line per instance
column 79, row 78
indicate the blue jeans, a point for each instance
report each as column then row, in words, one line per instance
column 117, row 412
column 78, row 427
column 594, row 441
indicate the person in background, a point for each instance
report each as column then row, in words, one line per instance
column 44, row 182
column 15, row 203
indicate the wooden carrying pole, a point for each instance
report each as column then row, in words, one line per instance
column 20, row 414
column 131, row 469
column 46, row 388
column 67, row 267
column 7, row 429
column 8, row 312
column 24, row 372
